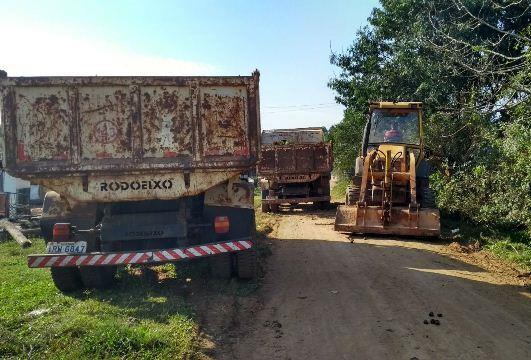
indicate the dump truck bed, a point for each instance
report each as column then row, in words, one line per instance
column 130, row 138
column 72, row 125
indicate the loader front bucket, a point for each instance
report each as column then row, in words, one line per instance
column 367, row 220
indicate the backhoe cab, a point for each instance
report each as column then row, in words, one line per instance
column 390, row 192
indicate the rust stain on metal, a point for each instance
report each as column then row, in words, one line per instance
column 234, row 192
column 224, row 115
column 46, row 137
column 166, row 121
column 105, row 122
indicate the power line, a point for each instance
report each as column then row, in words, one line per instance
column 298, row 106
column 302, row 109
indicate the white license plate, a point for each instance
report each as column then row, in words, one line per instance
column 78, row 247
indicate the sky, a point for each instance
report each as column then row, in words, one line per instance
column 290, row 42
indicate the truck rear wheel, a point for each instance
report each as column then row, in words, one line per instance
column 265, row 208
column 247, row 263
column 66, row 279
column 221, row 266
column 98, row 277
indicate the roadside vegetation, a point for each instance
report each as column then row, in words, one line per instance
column 337, row 192
column 469, row 62
column 140, row 318
column 150, row 314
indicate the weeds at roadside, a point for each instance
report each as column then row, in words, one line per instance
column 338, row 190
column 134, row 320
column 513, row 245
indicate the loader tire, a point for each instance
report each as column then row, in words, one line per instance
column 98, row 277
column 221, row 266
column 353, row 195
column 247, row 264
column 427, row 196
column 66, row 279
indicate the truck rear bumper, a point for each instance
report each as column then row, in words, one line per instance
column 138, row 257
column 296, row 200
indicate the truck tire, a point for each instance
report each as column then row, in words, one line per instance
column 98, row 277
column 66, row 279
column 247, row 264
column 265, row 208
column 47, row 229
column 221, row 266
column 273, row 207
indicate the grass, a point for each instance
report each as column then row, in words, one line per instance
column 516, row 252
column 264, row 221
column 137, row 319
column 339, row 188
column 513, row 245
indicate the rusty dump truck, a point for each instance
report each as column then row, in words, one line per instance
column 295, row 167
column 141, row 170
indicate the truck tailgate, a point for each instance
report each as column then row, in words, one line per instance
column 295, row 159
column 88, row 125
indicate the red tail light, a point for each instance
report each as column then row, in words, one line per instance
column 62, row 232
column 221, row 224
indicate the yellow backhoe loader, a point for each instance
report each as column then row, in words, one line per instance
column 390, row 192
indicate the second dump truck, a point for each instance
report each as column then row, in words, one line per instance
column 141, row 170
column 295, row 167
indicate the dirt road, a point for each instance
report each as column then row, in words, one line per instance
column 326, row 298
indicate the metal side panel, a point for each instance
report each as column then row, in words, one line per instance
column 167, row 121
column 105, row 122
column 42, row 123
column 295, row 159
column 224, row 120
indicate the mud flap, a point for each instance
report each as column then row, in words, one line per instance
column 367, row 220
